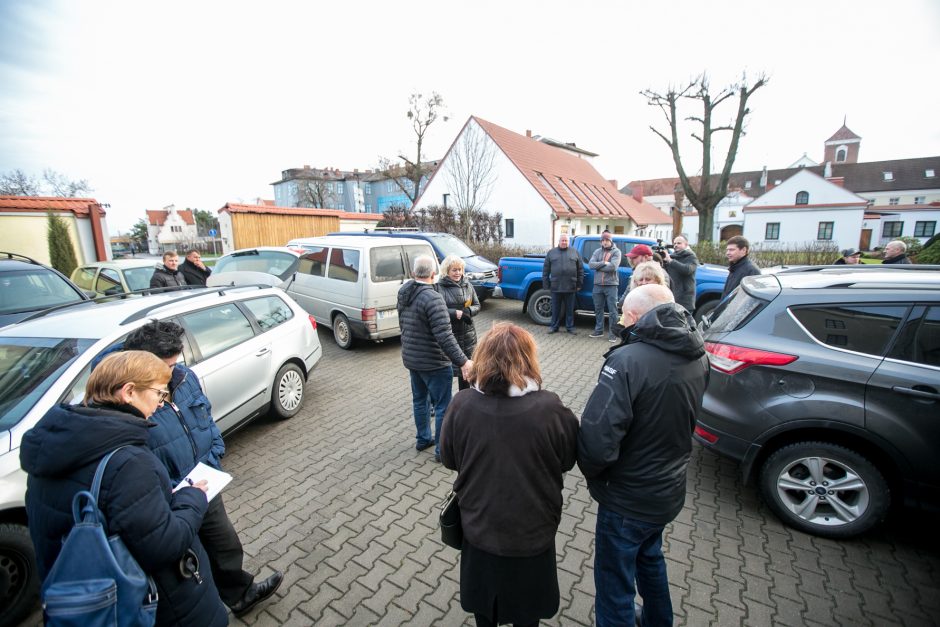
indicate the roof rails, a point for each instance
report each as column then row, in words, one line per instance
column 18, row 257
column 395, row 229
column 221, row 291
column 105, row 298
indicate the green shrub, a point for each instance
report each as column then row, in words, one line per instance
column 930, row 254
column 765, row 256
column 61, row 251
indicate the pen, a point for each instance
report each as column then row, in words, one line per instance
column 188, row 480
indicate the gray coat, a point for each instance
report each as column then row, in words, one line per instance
column 681, row 271
column 562, row 270
column 605, row 272
column 427, row 341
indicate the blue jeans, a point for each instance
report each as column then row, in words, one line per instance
column 559, row 300
column 605, row 295
column 629, row 557
column 430, row 387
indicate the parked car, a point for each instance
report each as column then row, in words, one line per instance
column 27, row 286
column 480, row 271
column 108, row 278
column 262, row 265
column 520, row 278
column 825, row 386
column 350, row 284
column 253, row 350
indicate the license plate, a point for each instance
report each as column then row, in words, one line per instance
column 387, row 313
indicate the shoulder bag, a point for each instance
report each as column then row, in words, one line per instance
column 451, row 529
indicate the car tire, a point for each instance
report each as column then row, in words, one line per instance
column 19, row 577
column 801, row 482
column 287, row 395
column 540, row 307
column 342, row 332
column 705, row 309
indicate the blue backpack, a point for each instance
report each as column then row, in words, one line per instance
column 95, row 580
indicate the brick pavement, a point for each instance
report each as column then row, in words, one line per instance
column 338, row 498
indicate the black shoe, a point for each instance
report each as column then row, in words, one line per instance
column 571, row 331
column 597, row 334
column 613, row 339
column 256, row 593
column 437, row 458
column 553, row 330
column 426, row 445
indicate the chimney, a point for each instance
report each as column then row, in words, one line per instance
column 613, row 182
column 837, row 180
column 306, row 167
column 827, row 170
column 763, row 178
column 638, row 192
column 528, row 133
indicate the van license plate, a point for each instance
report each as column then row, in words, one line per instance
column 388, row 313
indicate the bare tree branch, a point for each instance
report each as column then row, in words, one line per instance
column 423, row 111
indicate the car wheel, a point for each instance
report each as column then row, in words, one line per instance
column 705, row 309
column 287, row 397
column 824, row 489
column 341, row 332
column 19, row 577
column 540, row 307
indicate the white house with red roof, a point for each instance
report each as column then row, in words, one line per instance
column 542, row 188
column 170, row 229
column 805, row 210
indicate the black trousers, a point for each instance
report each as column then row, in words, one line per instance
column 220, row 540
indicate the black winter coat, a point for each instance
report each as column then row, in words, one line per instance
column 635, row 439
column 901, row 259
column 456, row 296
column 427, row 341
column 165, row 278
column 562, row 270
column 681, row 271
column 741, row 268
column 193, row 274
column 61, row 454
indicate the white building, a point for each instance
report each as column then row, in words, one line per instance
column 803, row 211
column 170, row 229
column 543, row 188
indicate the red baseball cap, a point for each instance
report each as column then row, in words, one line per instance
column 640, row 249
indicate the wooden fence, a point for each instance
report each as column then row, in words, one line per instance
column 250, row 229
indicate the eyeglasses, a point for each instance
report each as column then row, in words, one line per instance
column 162, row 393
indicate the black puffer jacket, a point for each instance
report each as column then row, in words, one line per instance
column 193, row 274
column 741, row 268
column 427, row 342
column 162, row 277
column 636, row 431
column 61, row 454
column 456, row 297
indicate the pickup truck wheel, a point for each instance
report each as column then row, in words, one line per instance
column 540, row 307
column 705, row 309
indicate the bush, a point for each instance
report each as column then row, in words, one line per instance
column 61, row 251
column 494, row 251
column 812, row 254
column 930, row 254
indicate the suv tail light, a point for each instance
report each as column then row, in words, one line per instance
column 313, row 321
column 368, row 318
column 733, row 359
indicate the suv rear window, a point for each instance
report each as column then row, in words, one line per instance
column 859, row 328
column 919, row 341
column 386, row 265
column 734, row 312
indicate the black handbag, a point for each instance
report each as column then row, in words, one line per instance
column 451, row 529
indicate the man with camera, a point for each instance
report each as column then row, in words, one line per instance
column 681, row 266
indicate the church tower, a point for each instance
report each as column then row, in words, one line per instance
column 842, row 147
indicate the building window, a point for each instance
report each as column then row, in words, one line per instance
column 929, row 174
column 892, row 229
column 841, row 155
column 390, row 186
column 802, row 198
column 824, row 231
column 772, row 230
column 368, row 207
column 778, row 182
column 894, row 200
column 920, row 200
column 889, row 176
column 510, row 228
column 925, row 229
column 747, row 185
column 339, row 189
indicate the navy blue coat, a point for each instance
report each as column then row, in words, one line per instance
column 60, row 455
column 427, row 341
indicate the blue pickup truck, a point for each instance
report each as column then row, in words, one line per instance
column 520, row 278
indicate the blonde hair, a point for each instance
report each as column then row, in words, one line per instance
column 141, row 368
column 649, row 270
column 451, row 260
column 507, row 355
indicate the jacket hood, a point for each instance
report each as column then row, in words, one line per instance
column 671, row 328
column 409, row 292
column 72, row 436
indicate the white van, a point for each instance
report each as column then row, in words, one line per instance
column 350, row 284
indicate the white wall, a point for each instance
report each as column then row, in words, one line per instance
column 799, row 227
column 225, row 232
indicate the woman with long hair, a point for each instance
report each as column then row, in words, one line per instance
column 462, row 304
column 158, row 526
column 510, row 442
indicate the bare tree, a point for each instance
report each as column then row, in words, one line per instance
column 59, row 185
column 423, row 111
column 705, row 193
column 471, row 172
column 314, row 193
column 18, row 183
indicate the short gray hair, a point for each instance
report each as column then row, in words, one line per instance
column 423, row 266
column 644, row 298
column 899, row 244
column 450, row 261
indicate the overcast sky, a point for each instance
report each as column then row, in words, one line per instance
column 200, row 103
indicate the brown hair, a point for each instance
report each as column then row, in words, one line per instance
column 507, row 355
column 170, row 253
column 739, row 241
column 138, row 367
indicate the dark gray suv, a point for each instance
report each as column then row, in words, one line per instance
column 825, row 385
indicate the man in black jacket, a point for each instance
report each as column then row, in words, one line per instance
column 896, row 252
column 194, row 270
column 739, row 264
column 428, row 348
column 634, row 447
column 681, row 266
column 562, row 274
column 169, row 275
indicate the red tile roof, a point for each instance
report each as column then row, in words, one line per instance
column 157, row 217
column 231, row 207
column 78, row 206
column 571, row 186
column 843, row 134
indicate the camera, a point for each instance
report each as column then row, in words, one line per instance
column 661, row 249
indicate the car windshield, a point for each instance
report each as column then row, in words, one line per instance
column 28, row 367
column 30, row 290
column 138, row 278
column 450, row 245
column 280, row 264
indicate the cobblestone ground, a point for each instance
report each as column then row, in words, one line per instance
column 339, row 500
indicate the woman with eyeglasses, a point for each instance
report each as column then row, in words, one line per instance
column 158, row 526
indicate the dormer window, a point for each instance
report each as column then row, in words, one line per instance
column 889, row 176
column 802, row 198
column 929, row 174
column 747, row 185
column 841, row 154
